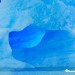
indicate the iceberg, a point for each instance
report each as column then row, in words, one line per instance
column 37, row 33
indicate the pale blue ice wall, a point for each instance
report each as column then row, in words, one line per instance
column 35, row 41
column 45, row 42
column 53, row 15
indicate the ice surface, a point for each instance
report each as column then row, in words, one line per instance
column 54, row 15
column 56, row 48
column 37, row 33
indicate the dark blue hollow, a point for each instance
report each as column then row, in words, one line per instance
column 53, row 43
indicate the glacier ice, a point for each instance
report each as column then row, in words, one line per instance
column 34, row 28
column 55, row 49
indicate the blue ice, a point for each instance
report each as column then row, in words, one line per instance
column 53, row 50
column 38, row 33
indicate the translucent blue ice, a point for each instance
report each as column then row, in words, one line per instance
column 54, row 50
column 37, row 33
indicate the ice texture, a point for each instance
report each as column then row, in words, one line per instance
column 55, row 49
column 37, row 33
